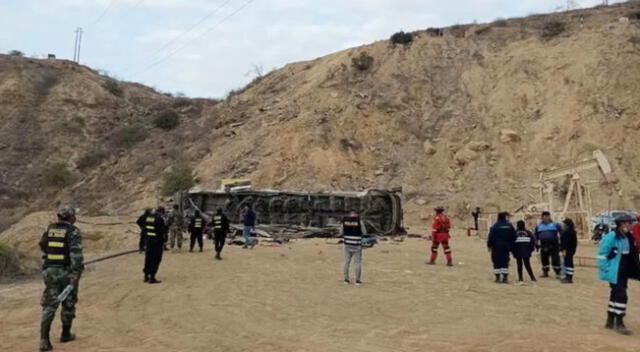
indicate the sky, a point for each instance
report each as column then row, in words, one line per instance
column 205, row 48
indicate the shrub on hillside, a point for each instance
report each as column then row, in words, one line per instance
column 553, row 29
column 9, row 261
column 362, row 62
column 500, row 22
column 167, row 120
column 181, row 103
column 458, row 31
column 402, row 38
column 483, row 31
column 128, row 136
column 112, row 86
column 16, row 53
column 91, row 159
column 177, row 180
column 57, row 175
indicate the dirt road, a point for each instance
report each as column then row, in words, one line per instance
column 292, row 299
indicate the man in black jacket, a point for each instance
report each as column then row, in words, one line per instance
column 220, row 224
column 156, row 236
column 568, row 246
column 502, row 237
column 196, row 228
column 141, row 222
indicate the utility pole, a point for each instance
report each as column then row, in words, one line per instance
column 77, row 45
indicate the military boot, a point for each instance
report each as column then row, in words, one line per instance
column 610, row 318
column 45, row 342
column 505, row 278
column 619, row 327
column 497, row 281
column 66, row 333
column 146, row 277
column 154, row 281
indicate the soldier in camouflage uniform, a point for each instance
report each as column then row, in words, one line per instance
column 176, row 227
column 61, row 244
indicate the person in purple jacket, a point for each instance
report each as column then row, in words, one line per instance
column 523, row 248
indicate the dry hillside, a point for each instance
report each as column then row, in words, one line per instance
column 436, row 117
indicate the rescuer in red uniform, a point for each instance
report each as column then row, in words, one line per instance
column 440, row 234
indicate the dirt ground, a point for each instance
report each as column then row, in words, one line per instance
column 292, row 299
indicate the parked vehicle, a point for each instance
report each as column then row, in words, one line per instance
column 605, row 222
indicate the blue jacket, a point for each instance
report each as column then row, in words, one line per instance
column 249, row 218
column 548, row 232
column 608, row 268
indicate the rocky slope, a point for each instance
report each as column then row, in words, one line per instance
column 469, row 118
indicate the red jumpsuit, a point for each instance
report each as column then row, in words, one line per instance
column 635, row 230
column 440, row 234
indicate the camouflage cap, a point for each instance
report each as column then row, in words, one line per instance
column 66, row 211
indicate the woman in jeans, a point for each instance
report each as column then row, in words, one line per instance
column 618, row 262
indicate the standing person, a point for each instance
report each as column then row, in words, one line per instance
column 196, row 228
column 547, row 233
column 249, row 224
column 156, row 235
column 523, row 248
column 635, row 230
column 61, row 244
column 617, row 263
column 568, row 246
column 476, row 215
column 502, row 237
column 141, row 224
column 353, row 230
column 220, row 230
column 176, row 226
column 440, row 235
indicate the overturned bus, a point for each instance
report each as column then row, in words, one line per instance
column 317, row 214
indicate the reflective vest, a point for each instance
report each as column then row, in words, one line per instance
column 217, row 222
column 57, row 247
column 352, row 231
column 197, row 223
column 150, row 226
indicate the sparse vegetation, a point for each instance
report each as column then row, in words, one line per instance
column 44, row 85
column 112, row 86
column 58, row 175
column 181, row 103
column 483, row 30
column 500, row 22
column 9, row 261
column 129, row 136
column 402, row 38
column 458, row 31
column 91, row 159
column 16, row 53
column 635, row 40
column 167, row 120
column 362, row 62
column 179, row 179
column 634, row 15
column 553, row 29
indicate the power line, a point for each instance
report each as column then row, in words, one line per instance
column 104, row 12
column 181, row 35
column 161, row 60
column 128, row 12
